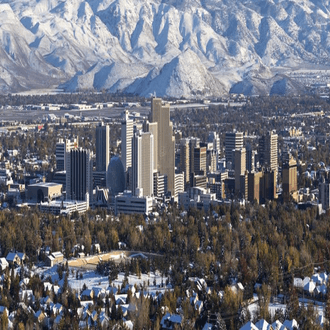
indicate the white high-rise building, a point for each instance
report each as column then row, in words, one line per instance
column 142, row 164
column 127, row 131
column 62, row 147
column 233, row 140
column 215, row 139
column 102, row 147
column 268, row 150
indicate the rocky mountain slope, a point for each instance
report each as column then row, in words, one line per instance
column 172, row 48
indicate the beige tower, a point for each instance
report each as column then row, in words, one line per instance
column 142, row 163
column 240, row 169
column 165, row 141
column 185, row 159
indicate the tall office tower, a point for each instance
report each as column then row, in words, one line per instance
column 254, row 186
column 215, row 139
column 185, row 159
column 199, row 161
column 268, row 187
column 211, row 160
column 102, row 147
column 153, row 128
column 62, row 147
column 289, row 184
column 233, row 140
column 268, row 150
column 126, row 140
column 142, row 164
column 160, row 185
column 193, row 143
column 324, row 194
column 165, row 141
column 250, row 158
column 79, row 167
column 240, row 169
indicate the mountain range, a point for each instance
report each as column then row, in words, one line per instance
column 174, row 48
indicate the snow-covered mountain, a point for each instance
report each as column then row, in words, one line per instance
column 172, row 47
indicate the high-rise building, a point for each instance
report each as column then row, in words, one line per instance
column 165, row 141
column 215, row 139
column 160, row 185
column 211, row 161
column 289, row 184
column 240, row 175
column 268, row 151
column 153, row 128
column 126, row 140
column 194, row 142
column 79, row 167
column 185, row 159
column 62, row 147
column 254, row 186
column 233, row 140
column 268, row 186
column 199, row 161
column 142, row 164
column 250, row 158
column 102, row 147
column 324, row 194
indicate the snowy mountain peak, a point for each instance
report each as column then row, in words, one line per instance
column 176, row 48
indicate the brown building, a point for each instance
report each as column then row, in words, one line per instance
column 289, row 184
column 268, row 187
column 254, row 186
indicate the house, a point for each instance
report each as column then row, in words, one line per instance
column 291, row 325
column 15, row 258
column 199, row 306
column 39, row 316
column 54, row 258
column 96, row 248
column 87, row 294
column 263, row 325
column 169, row 321
column 277, row 325
column 248, row 326
column 3, row 309
column 104, row 320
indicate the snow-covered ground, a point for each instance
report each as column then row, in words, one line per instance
column 253, row 308
column 92, row 279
